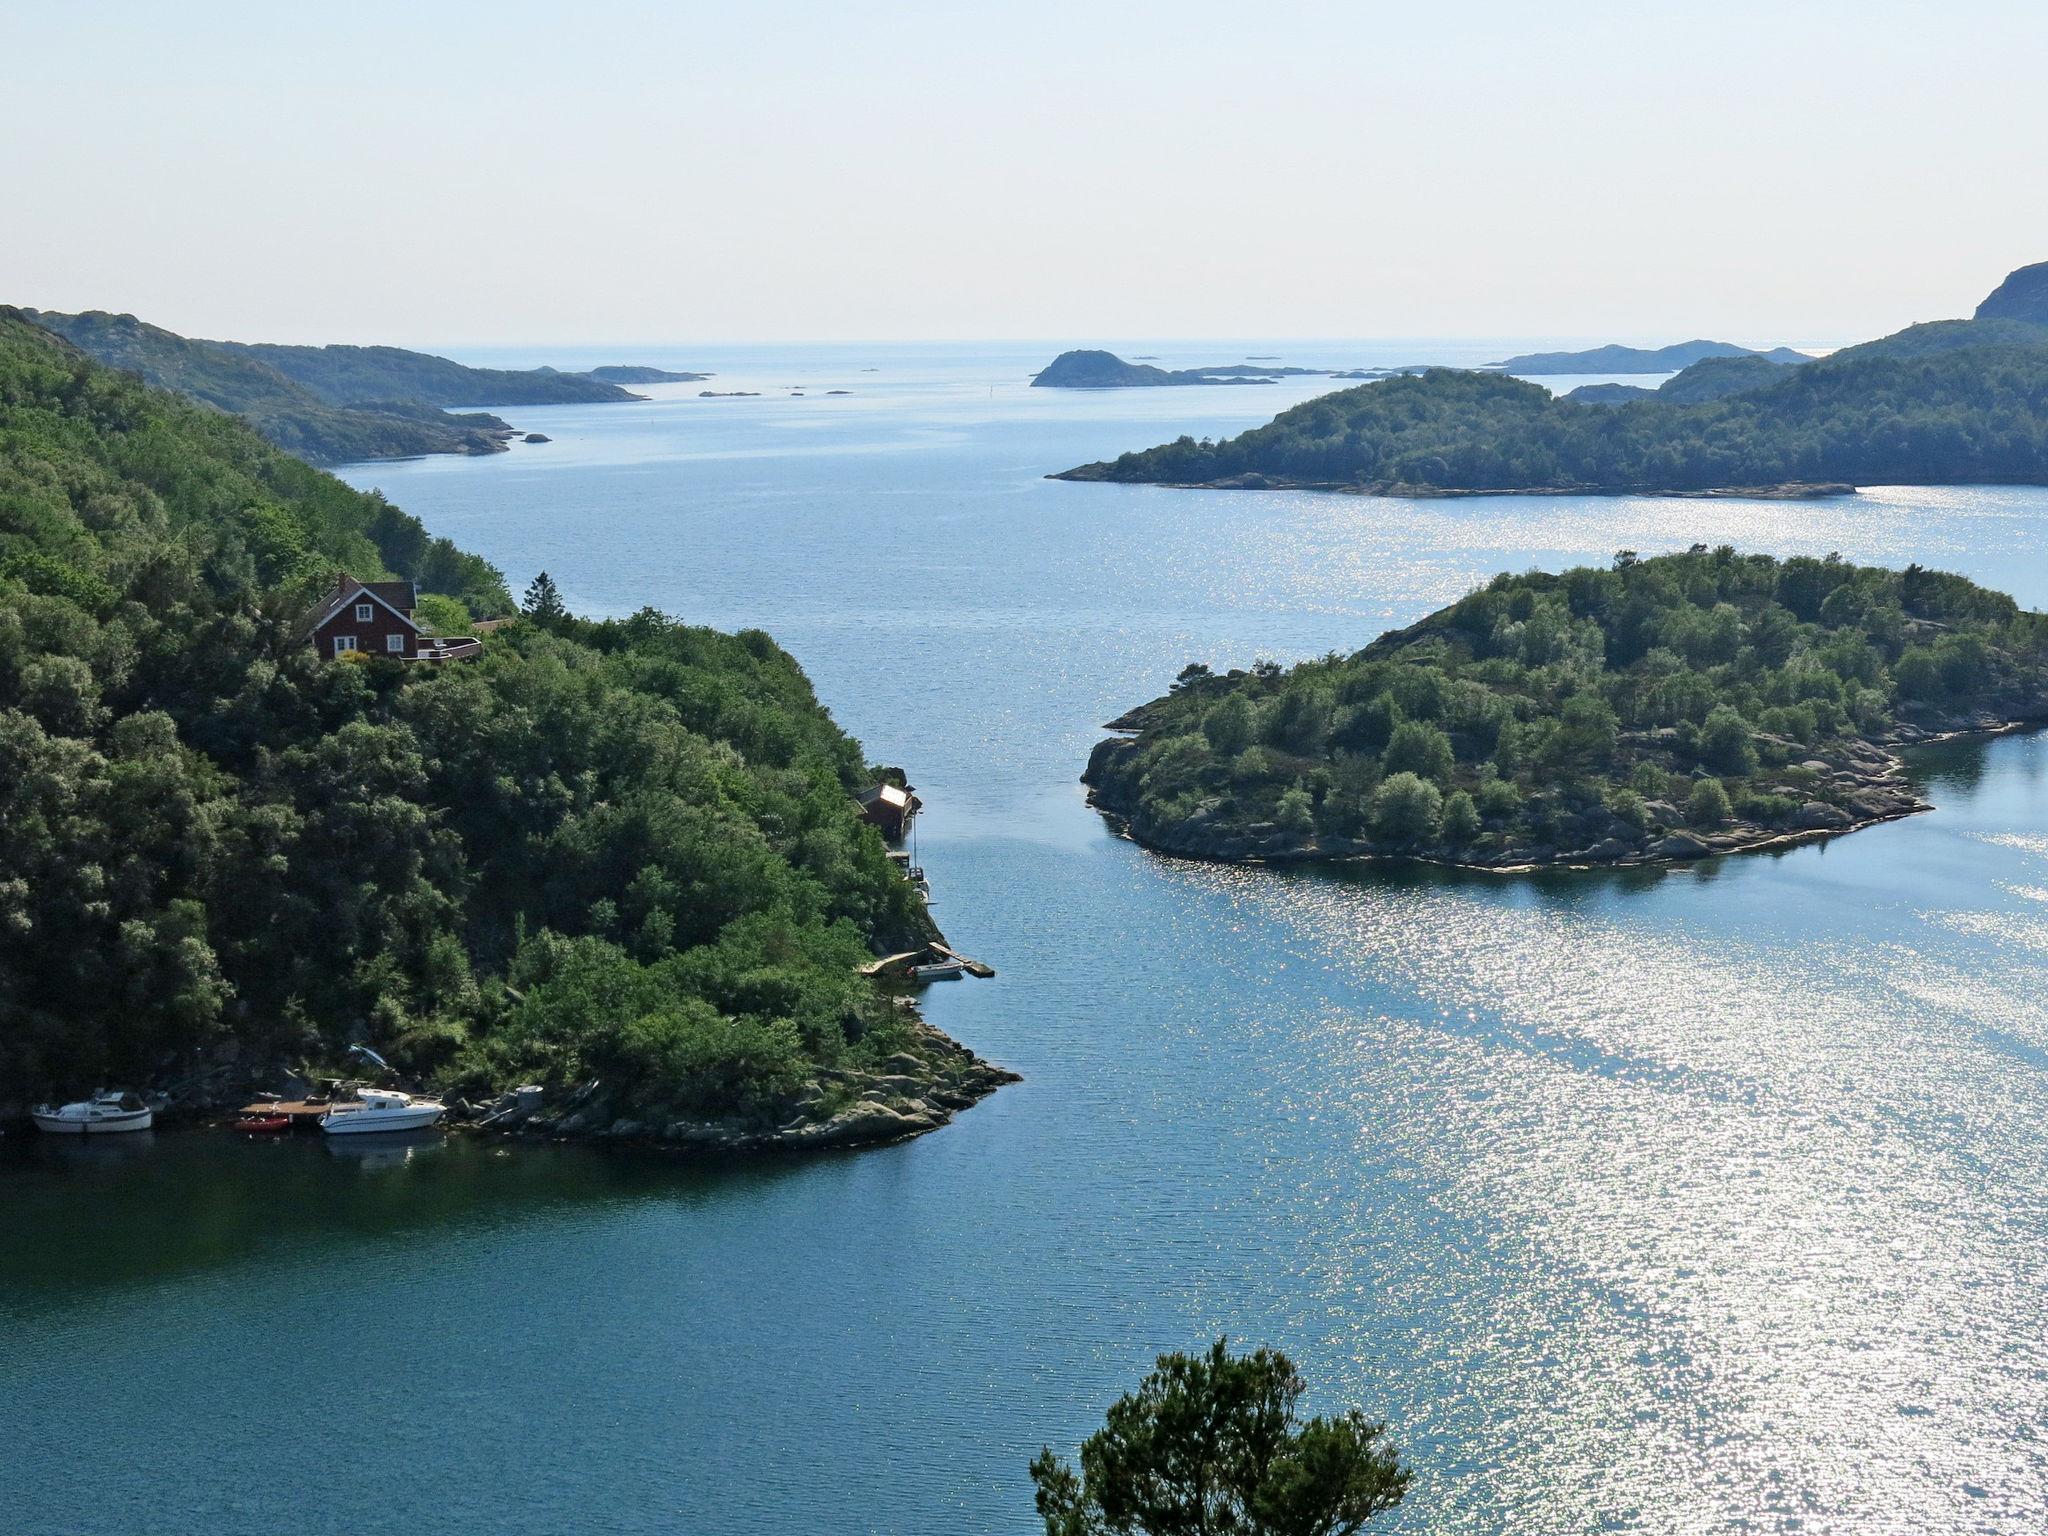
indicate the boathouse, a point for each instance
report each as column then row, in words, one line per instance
column 889, row 807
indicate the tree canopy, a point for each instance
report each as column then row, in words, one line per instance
column 1967, row 403
column 622, row 849
column 1604, row 713
column 1214, row 1444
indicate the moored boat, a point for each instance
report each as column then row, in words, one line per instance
column 100, row 1115
column 943, row 970
column 380, row 1109
column 261, row 1124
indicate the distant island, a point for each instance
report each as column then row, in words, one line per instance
column 1961, row 402
column 1712, row 378
column 1618, row 359
column 336, row 404
column 1662, row 709
column 1105, row 370
column 628, row 374
column 625, row 860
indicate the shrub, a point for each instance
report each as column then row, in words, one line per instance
column 1406, row 810
column 1707, row 805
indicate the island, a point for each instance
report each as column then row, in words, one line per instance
column 1712, row 378
column 1620, row 359
column 1662, row 709
column 341, row 404
column 628, row 374
column 1961, row 402
column 624, row 861
column 1090, row 369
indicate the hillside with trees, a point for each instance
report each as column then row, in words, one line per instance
column 621, row 852
column 341, row 404
column 1661, row 709
column 1967, row 415
column 1950, row 402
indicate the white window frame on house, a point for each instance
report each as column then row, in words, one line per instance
column 364, row 613
column 343, row 644
column 395, row 642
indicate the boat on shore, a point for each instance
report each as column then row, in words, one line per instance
column 380, row 1109
column 102, row 1114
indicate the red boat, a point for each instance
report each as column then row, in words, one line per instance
column 263, row 1125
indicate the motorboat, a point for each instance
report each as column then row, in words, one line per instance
column 99, row 1115
column 943, row 970
column 380, row 1109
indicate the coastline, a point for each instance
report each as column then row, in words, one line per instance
column 1882, row 794
column 1252, row 480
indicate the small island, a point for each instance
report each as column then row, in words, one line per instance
column 1091, row 369
column 1662, row 709
column 1620, row 359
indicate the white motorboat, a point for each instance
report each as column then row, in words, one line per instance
column 380, row 1109
column 942, row 970
column 97, row 1116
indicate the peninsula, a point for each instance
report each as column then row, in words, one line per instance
column 341, row 404
column 623, row 860
column 1663, row 709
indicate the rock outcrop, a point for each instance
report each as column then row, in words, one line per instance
column 2022, row 296
column 913, row 1091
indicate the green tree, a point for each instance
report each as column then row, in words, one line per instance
column 1229, row 725
column 543, row 602
column 1707, row 805
column 1725, row 742
column 1461, row 818
column 1406, row 809
column 1214, row 1445
column 1419, row 748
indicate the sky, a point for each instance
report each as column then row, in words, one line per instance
column 744, row 170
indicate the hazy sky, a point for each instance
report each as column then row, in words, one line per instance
column 433, row 173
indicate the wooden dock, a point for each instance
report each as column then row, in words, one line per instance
column 974, row 967
column 304, row 1114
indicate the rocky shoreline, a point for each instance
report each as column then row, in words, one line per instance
column 916, row 1091
column 1853, row 784
column 1252, row 480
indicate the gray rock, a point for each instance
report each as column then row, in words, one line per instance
column 1679, row 845
column 1819, row 816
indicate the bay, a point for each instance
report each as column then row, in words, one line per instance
column 1663, row 1201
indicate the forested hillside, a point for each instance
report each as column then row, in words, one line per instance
column 1959, row 402
column 621, row 850
column 1664, row 708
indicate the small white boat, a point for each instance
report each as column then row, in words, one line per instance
column 381, row 1109
column 99, row 1115
column 943, row 970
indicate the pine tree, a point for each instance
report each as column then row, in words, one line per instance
column 543, row 602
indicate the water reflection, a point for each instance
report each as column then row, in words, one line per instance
column 180, row 1202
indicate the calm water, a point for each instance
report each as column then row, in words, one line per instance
column 1696, row 1201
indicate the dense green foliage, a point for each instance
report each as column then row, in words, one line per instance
column 1215, row 1445
column 283, row 410
column 1871, row 415
column 1550, row 711
column 344, row 375
column 623, row 850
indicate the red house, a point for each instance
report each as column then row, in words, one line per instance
column 374, row 617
